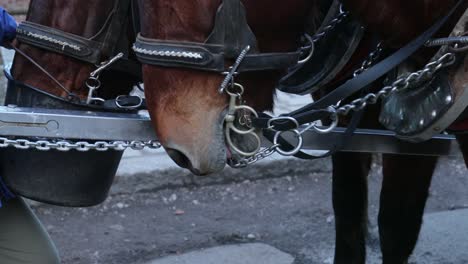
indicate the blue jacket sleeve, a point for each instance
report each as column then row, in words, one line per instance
column 7, row 26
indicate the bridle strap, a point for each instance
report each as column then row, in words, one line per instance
column 231, row 34
column 207, row 57
column 121, row 104
column 91, row 50
column 58, row 41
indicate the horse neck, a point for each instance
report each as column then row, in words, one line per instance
column 399, row 21
column 83, row 18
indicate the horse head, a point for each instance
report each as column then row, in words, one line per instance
column 185, row 105
column 89, row 20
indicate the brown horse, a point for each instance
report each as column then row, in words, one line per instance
column 188, row 112
column 82, row 18
column 88, row 19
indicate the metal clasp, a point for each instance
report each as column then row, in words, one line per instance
column 93, row 83
column 230, row 119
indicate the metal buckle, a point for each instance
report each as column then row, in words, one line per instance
column 128, row 107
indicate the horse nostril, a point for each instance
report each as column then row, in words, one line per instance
column 179, row 158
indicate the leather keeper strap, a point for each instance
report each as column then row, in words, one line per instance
column 206, row 57
column 60, row 42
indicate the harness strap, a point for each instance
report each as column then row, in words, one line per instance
column 207, row 57
column 58, row 41
column 308, row 113
column 23, row 94
column 91, row 50
column 338, row 146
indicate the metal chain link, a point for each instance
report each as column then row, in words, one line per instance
column 400, row 84
column 325, row 30
column 262, row 154
column 371, row 59
column 82, row 146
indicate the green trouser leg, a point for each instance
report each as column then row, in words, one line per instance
column 23, row 240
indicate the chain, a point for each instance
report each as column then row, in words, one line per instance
column 82, row 146
column 260, row 155
column 371, row 59
column 400, row 84
column 325, row 30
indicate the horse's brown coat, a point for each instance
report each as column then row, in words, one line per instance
column 83, row 18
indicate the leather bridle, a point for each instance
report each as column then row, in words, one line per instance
column 107, row 49
column 240, row 45
column 231, row 35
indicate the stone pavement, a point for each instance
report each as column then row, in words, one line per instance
column 233, row 254
column 444, row 238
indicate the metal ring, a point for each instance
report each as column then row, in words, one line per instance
column 93, row 83
column 239, row 151
column 312, row 49
column 329, row 129
column 282, row 118
column 127, row 107
column 240, row 92
column 291, row 152
column 232, row 126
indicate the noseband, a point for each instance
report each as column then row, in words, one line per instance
column 231, row 35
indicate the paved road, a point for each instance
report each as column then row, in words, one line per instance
column 286, row 204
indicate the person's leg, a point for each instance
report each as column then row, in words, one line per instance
column 23, row 239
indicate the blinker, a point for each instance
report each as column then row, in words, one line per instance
column 232, row 29
column 231, row 34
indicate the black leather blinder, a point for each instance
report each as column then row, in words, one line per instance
column 231, row 34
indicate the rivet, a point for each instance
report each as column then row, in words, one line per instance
column 448, row 99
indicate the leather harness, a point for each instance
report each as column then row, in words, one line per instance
column 110, row 40
column 230, row 36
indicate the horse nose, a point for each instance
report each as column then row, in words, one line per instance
column 182, row 160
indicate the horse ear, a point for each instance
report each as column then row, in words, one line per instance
column 232, row 29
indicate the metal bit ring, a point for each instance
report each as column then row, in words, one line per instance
column 294, row 151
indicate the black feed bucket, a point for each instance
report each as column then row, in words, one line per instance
column 72, row 178
column 62, row 178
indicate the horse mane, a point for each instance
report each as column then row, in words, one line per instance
column 399, row 21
